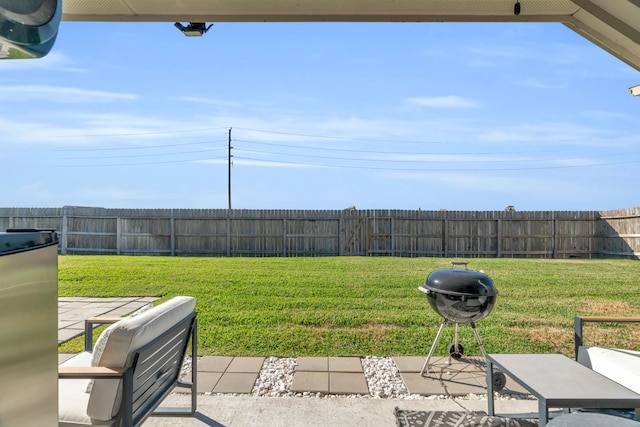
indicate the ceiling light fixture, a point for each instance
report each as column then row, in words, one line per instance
column 194, row 29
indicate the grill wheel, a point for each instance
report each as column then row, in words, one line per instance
column 454, row 352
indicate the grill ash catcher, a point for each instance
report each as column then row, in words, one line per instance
column 461, row 296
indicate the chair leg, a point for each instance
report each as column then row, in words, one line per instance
column 194, row 367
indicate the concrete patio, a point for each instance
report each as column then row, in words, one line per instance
column 330, row 390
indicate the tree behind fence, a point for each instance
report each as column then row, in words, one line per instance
column 222, row 232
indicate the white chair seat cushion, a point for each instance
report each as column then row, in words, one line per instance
column 72, row 399
column 131, row 334
column 621, row 366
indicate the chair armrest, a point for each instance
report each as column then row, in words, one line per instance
column 103, row 319
column 608, row 319
column 88, row 328
column 89, row 372
column 578, row 321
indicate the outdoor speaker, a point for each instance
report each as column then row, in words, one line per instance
column 28, row 28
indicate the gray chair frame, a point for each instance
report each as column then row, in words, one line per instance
column 154, row 373
column 579, row 321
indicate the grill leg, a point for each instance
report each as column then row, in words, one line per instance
column 433, row 347
column 478, row 339
column 456, row 342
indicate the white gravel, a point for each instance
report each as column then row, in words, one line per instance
column 383, row 377
column 275, row 378
column 381, row 373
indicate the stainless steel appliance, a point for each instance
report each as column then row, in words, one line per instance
column 28, row 328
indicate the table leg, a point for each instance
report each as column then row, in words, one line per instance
column 490, row 408
column 543, row 413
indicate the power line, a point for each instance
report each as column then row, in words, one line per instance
column 395, row 141
column 388, row 160
column 398, row 152
column 439, row 170
column 145, row 147
column 140, row 155
column 136, row 134
column 131, row 164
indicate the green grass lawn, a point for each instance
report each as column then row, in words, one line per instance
column 358, row 306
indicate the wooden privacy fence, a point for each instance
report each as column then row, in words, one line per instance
column 222, row 232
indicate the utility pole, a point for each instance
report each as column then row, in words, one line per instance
column 229, row 170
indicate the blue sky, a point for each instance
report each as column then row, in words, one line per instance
column 323, row 116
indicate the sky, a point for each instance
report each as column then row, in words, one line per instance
column 456, row 116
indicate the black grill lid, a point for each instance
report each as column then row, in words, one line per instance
column 460, row 282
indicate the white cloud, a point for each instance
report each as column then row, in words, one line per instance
column 208, row 101
column 57, row 61
column 450, row 101
column 103, row 196
column 485, row 184
column 539, row 84
column 500, row 51
column 261, row 163
column 61, row 94
column 569, row 133
column 465, row 159
column 75, row 129
column 606, row 115
column 303, row 127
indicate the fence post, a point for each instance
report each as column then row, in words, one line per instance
column 393, row 236
column 63, row 238
column 554, row 241
column 445, row 236
column 173, row 235
column 284, row 236
column 228, row 232
column 499, row 238
column 592, row 232
column 118, row 235
column 367, row 235
column 340, row 234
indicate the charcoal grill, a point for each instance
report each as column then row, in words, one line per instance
column 462, row 296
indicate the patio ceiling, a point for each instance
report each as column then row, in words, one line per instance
column 614, row 25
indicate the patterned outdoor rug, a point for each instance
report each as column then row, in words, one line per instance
column 456, row 419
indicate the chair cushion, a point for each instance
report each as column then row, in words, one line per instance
column 129, row 335
column 101, row 342
column 72, row 399
column 98, row 349
column 621, row 366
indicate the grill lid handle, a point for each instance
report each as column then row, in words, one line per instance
column 454, row 263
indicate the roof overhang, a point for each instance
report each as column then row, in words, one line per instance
column 613, row 25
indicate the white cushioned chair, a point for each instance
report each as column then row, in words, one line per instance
column 619, row 365
column 135, row 364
